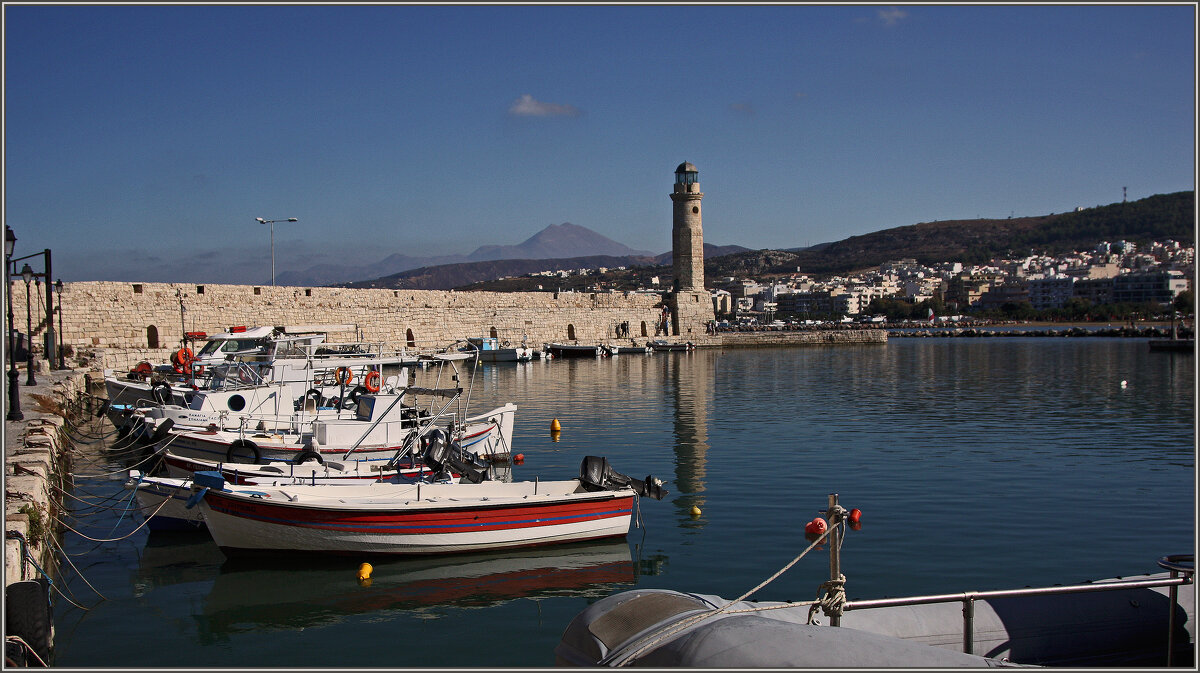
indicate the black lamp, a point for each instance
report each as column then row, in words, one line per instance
column 61, row 354
column 14, row 398
column 27, row 274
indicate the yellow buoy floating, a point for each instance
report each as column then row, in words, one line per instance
column 554, row 426
column 364, row 572
column 695, row 511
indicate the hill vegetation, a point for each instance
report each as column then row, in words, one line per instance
column 1155, row 218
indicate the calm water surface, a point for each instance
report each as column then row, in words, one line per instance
column 977, row 463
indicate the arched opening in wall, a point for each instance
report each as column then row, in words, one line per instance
column 493, row 333
column 644, row 328
column 410, row 339
column 570, row 332
column 152, row 337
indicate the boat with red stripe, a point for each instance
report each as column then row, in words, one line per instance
column 422, row 518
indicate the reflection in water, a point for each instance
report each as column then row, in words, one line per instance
column 251, row 594
column 687, row 377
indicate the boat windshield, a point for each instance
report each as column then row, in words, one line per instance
column 227, row 346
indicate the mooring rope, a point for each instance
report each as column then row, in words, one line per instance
column 123, row 537
column 616, row 658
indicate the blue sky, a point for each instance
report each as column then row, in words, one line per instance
column 142, row 141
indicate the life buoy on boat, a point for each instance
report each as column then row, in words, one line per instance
column 142, row 369
column 343, row 376
column 182, row 360
column 372, row 382
column 243, row 451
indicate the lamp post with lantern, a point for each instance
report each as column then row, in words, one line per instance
column 61, row 354
column 27, row 274
column 14, row 399
column 272, row 223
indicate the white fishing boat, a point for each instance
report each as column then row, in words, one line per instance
column 374, row 429
column 299, row 356
column 490, row 349
column 422, row 518
column 1140, row 620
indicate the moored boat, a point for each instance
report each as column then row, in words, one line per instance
column 489, row 349
column 1127, row 621
column 423, row 518
column 576, row 350
column 667, row 346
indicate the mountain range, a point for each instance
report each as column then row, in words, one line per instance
column 567, row 246
column 554, row 242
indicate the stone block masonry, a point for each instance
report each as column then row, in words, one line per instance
column 122, row 323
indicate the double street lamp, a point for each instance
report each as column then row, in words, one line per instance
column 272, row 223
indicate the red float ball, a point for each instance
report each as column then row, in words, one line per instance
column 855, row 515
column 816, row 526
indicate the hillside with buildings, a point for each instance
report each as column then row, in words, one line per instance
column 1127, row 257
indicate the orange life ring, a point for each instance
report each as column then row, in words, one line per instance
column 343, row 376
column 372, row 382
column 182, row 360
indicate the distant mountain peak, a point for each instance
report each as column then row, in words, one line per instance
column 557, row 241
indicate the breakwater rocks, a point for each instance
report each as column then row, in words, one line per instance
column 1127, row 332
column 802, row 338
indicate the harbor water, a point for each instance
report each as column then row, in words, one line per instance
column 977, row 464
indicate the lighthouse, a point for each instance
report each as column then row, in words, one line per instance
column 687, row 235
column 689, row 303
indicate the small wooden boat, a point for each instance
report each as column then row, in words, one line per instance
column 632, row 349
column 422, row 518
column 665, row 346
column 489, row 349
column 564, row 350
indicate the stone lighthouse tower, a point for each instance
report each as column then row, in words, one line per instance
column 690, row 305
column 687, row 236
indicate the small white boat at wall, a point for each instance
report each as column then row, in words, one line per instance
column 423, row 518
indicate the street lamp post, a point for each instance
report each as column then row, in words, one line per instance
column 14, row 399
column 61, row 354
column 27, row 274
column 272, row 223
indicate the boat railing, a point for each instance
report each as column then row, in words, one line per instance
column 1181, row 567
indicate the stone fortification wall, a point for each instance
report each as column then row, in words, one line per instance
column 127, row 322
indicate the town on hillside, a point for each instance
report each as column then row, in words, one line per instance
column 1113, row 281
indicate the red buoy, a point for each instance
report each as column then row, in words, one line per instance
column 816, row 526
column 519, row 458
column 855, row 515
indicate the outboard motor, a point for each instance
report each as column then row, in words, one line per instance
column 597, row 475
column 442, row 455
column 436, row 449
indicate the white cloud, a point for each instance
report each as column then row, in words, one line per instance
column 891, row 16
column 528, row 106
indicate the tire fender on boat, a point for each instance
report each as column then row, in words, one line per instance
column 307, row 455
column 240, row 448
column 161, row 392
